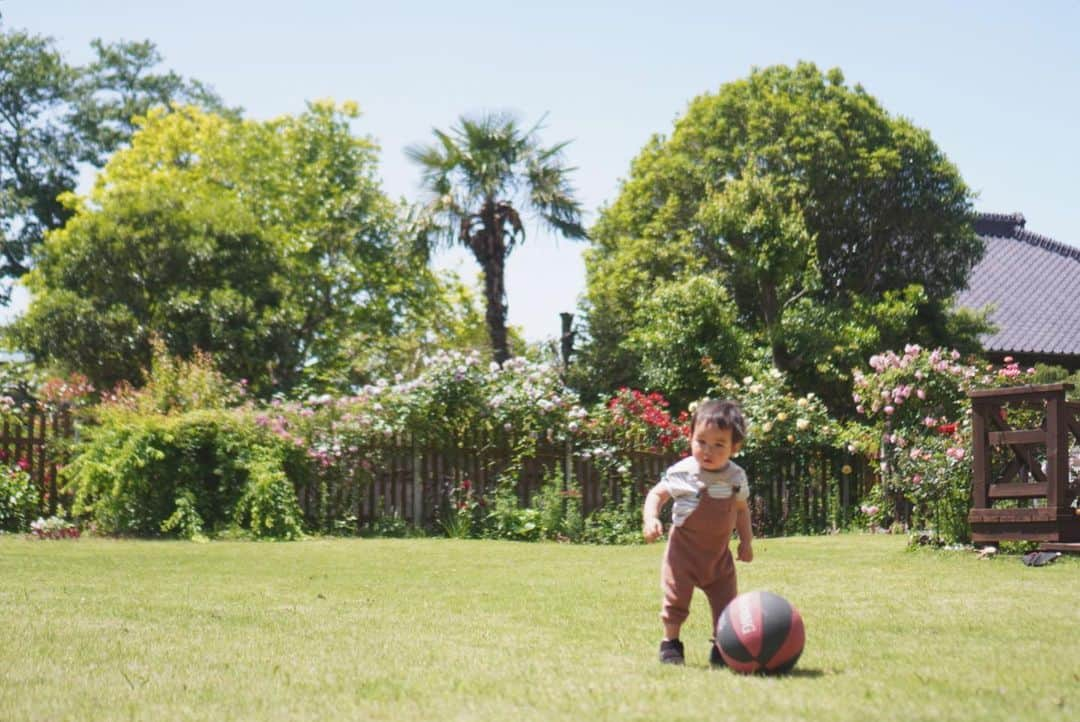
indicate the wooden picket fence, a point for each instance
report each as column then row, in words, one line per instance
column 413, row 481
column 812, row 492
column 34, row 440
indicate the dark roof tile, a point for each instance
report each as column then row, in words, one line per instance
column 1033, row 284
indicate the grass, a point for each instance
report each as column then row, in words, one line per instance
column 432, row 629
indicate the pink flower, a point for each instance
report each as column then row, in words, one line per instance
column 955, row 452
column 889, row 410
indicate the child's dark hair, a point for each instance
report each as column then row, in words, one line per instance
column 720, row 414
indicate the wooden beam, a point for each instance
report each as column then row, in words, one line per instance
column 995, row 516
column 1022, row 436
column 1019, row 491
column 1024, row 393
column 1009, row 472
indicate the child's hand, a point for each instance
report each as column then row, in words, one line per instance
column 652, row 529
column 746, row 552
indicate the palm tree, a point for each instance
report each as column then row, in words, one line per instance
column 479, row 175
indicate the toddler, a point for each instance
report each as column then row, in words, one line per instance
column 710, row 495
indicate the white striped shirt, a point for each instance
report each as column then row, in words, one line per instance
column 685, row 480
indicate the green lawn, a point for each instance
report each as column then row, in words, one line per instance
column 437, row 629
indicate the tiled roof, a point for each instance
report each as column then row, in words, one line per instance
column 1033, row 283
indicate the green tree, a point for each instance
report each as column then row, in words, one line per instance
column 56, row 117
column 809, row 202
column 119, row 86
column 38, row 150
column 480, row 176
column 267, row 244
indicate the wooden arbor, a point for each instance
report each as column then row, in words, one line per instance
column 1043, row 512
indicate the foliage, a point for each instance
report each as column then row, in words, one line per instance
column 777, row 418
column 449, row 319
column 642, row 422
column 20, row 502
column 192, row 473
column 617, row 522
column 680, row 326
column 268, row 244
column 480, row 177
column 172, row 458
column 460, row 513
column 119, row 86
column 55, row 527
column 508, row 518
column 917, row 405
column 794, row 445
column 55, row 116
column 810, row 204
column 559, row 507
column 39, row 150
column 175, row 385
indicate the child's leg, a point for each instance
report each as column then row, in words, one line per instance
column 722, row 589
column 678, row 588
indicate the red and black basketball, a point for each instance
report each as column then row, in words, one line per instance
column 760, row 632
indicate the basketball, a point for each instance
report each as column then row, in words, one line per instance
column 760, row 632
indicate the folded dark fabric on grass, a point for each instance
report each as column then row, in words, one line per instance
column 1040, row 559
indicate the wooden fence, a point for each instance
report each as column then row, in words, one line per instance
column 34, row 440
column 415, row 482
column 812, row 492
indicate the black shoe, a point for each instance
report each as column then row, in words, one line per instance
column 671, row 652
column 715, row 658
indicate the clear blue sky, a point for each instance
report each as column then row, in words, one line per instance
column 996, row 83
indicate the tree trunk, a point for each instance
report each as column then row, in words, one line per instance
column 495, row 292
column 490, row 250
column 770, row 311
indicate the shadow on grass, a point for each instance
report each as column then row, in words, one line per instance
column 797, row 672
column 809, row 673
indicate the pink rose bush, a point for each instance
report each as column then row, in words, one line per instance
column 919, row 419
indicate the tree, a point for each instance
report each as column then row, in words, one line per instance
column 55, row 118
column 480, row 176
column 807, row 200
column 38, row 150
column 267, row 244
column 120, row 86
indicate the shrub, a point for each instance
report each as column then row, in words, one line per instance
column 186, row 474
column 917, row 405
column 172, row 458
column 20, row 502
column 617, row 522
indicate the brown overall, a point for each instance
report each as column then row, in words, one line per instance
column 698, row 555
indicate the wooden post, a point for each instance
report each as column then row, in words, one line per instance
column 417, row 487
column 568, row 466
column 980, row 455
column 1057, row 448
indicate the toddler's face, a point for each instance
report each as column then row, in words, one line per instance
column 712, row 447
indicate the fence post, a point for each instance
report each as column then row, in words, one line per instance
column 417, row 486
column 568, row 466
